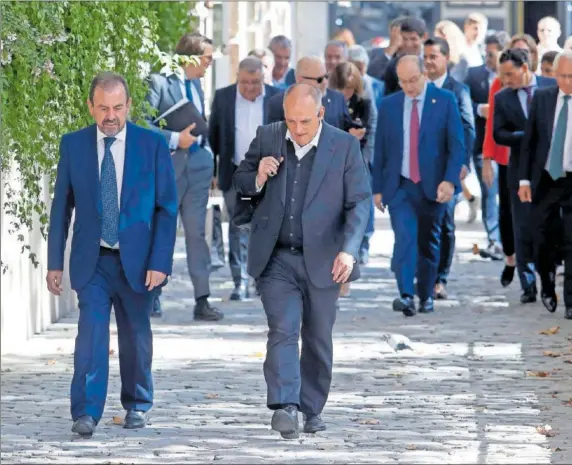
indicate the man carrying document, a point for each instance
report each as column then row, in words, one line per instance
column 179, row 101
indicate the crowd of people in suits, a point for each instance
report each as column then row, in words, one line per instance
column 319, row 147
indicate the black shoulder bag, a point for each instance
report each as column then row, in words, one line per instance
column 246, row 205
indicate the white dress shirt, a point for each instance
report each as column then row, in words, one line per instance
column 118, row 153
column 407, row 110
column 440, row 81
column 248, row 116
column 567, row 159
column 300, row 150
column 523, row 96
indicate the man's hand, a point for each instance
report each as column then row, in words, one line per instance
column 488, row 172
column 343, row 266
column 186, row 139
column 154, row 279
column 445, row 192
column 464, row 172
column 54, row 280
column 359, row 133
column 378, row 202
column 485, row 110
column 267, row 167
column 525, row 194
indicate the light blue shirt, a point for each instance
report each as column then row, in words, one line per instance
column 407, row 108
column 523, row 96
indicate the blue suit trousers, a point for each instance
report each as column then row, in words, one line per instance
column 416, row 223
column 107, row 287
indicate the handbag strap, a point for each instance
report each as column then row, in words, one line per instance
column 277, row 138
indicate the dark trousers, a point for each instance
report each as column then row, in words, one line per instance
column 237, row 243
column 416, row 223
column 370, row 229
column 91, row 357
column 550, row 199
column 447, row 247
column 505, row 212
column 290, row 301
column 489, row 204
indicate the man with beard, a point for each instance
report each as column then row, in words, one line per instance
column 119, row 178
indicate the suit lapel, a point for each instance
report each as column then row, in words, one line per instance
column 231, row 117
column 267, row 96
column 321, row 163
column 175, row 88
column 429, row 107
column 92, row 161
column 129, row 166
column 551, row 110
column 515, row 102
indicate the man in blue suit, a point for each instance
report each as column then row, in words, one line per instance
column 511, row 112
column 193, row 161
column 312, row 71
column 237, row 112
column 119, row 179
column 417, row 166
column 308, row 226
column 436, row 57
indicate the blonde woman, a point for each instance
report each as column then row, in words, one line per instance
column 449, row 31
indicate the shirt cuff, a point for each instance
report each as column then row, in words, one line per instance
column 258, row 189
column 174, row 141
column 524, row 182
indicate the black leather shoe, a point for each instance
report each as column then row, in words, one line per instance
column 549, row 300
column 285, row 421
column 313, row 423
column 84, row 426
column 568, row 313
column 528, row 296
column 507, row 275
column 426, row 306
column 204, row 312
column 156, row 312
column 240, row 292
column 404, row 304
column 135, row 419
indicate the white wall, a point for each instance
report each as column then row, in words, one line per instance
column 26, row 306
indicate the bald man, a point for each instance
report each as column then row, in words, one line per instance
column 312, row 70
column 305, row 239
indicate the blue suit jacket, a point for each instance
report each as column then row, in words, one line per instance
column 336, row 110
column 463, row 97
column 441, row 145
column 336, row 206
column 222, row 130
column 508, row 125
column 148, row 206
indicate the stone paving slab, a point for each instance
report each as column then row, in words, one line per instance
column 459, row 394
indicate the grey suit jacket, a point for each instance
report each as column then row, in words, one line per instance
column 336, row 207
column 164, row 92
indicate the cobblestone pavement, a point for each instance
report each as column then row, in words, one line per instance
column 464, row 393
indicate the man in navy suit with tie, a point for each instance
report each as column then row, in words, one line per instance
column 419, row 153
column 545, row 177
column 511, row 111
column 237, row 112
column 119, row 179
column 193, row 161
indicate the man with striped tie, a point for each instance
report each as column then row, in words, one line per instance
column 119, row 179
column 417, row 166
column 545, row 173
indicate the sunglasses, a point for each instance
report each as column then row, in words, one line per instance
column 318, row 79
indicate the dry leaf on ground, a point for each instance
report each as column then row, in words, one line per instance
column 549, row 353
column 411, row 447
column 211, row 395
column 475, row 249
column 117, row 420
column 568, row 402
column 111, row 351
column 538, row 374
column 370, row 421
column 550, row 331
column 51, row 362
column 546, row 430
column 257, row 354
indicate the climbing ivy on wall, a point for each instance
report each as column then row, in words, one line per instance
column 49, row 53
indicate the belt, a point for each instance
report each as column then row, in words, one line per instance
column 291, row 249
column 107, row 251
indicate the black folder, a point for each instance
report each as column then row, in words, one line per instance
column 182, row 115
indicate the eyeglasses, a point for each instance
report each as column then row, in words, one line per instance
column 317, row 79
column 411, row 81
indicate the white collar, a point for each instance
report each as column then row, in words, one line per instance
column 440, row 80
column 312, row 143
column 120, row 135
column 561, row 94
column 168, row 72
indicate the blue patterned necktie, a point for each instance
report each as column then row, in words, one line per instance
column 109, row 196
column 195, row 146
column 556, row 156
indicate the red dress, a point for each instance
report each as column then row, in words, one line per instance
column 491, row 149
